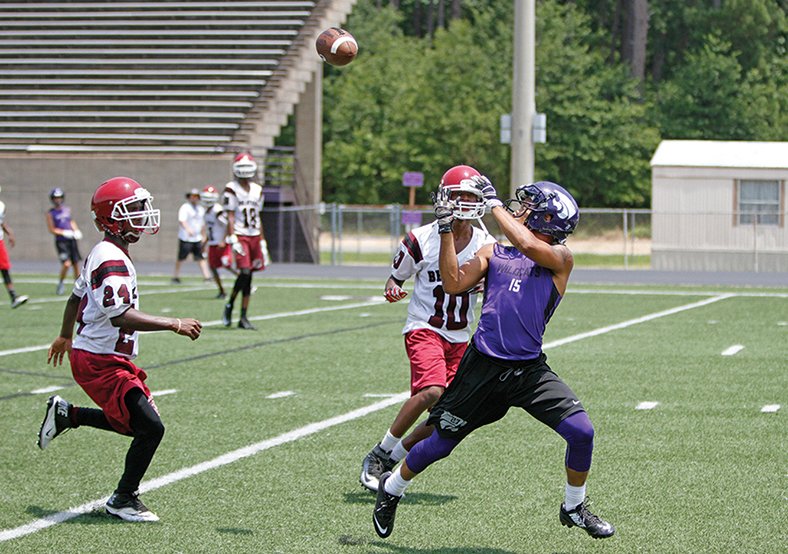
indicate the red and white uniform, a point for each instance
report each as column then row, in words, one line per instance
column 5, row 263
column 246, row 206
column 108, row 288
column 449, row 315
column 219, row 253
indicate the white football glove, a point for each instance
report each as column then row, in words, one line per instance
column 78, row 235
column 238, row 248
column 488, row 191
column 266, row 255
column 444, row 209
column 67, row 233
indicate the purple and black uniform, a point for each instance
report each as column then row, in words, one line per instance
column 66, row 248
column 61, row 219
column 504, row 366
column 520, row 298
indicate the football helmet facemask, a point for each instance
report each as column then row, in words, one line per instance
column 121, row 207
column 548, row 207
column 457, row 180
column 244, row 166
column 209, row 196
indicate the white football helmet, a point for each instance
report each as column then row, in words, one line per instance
column 209, row 196
column 244, row 166
column 458, row 179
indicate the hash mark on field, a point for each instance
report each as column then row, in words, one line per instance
column 283, row 394
column 770, row 408
column 45, row 390
column 648, row 405
column 379, row 395
column 731, row 350
column 164, row 392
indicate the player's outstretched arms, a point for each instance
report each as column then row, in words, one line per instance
column 140, row 321
column 188, row 327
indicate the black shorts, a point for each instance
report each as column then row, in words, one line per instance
column 67, row 250
column 186, row 248
column 484, row 389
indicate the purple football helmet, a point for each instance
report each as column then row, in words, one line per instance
column 544, row 199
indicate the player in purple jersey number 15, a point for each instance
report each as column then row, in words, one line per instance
column 504, row 365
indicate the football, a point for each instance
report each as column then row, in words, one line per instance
column 336, row 46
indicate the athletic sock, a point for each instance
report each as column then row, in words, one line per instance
column 395, row 484
column 398, row 452
column 243, row 312
column 573, row 496
column 389, row 441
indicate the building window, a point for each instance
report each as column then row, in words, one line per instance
column 759, row 202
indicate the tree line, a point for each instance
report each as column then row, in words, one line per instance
column 614, row 77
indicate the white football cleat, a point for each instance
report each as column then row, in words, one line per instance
column 129, row 507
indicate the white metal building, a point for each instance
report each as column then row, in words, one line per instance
column 719, row 206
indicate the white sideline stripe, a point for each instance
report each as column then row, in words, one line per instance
column 219, row 322
column 164, row 392
column 731, row 350
column 224, row 459
column 290, row 436
column 629, row 323
column 770, row 408
column 283, row 394
column 648, row 405
column 45, row 390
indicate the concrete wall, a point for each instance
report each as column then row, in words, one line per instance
column 26, row 182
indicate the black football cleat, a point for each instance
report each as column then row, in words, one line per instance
column 385, row 509
column 55, row 422
column 129, row 507
column 581, row 517
column 375, row 464
column 227, row 315
column 244, row 323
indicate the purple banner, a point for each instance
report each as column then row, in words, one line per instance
column 413, row 179
column 411, row 217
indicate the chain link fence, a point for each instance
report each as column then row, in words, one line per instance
column 605, row 238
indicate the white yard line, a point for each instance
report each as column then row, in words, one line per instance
column 45, row 390
column 629, row 323
column 770, row 408
column 647, row 405
column 733, row 350
column 185, row 473
column 219, row 322
column 282, row 394
column 230, row 457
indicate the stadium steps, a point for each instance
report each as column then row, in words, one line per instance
column 157, row 74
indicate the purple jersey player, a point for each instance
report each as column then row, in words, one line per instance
column 504, row 365
column 67, row 234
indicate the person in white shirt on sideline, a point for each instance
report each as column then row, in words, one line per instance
column 191, row 234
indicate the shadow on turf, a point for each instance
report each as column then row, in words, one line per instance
column 422, row 498
column 97, row 516
column 349, row 540
column 235, row 531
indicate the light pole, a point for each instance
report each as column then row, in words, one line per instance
column 523, row 93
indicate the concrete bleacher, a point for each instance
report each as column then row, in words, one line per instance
column 149, row 74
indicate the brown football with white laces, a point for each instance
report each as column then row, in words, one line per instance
column 336, row 46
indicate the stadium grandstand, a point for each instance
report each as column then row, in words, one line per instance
column 165, row 91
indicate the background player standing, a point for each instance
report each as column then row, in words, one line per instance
column 191, row 228
column 242, row 202
column 438, row 325
column 5, row 262
column 219, row 252
column 105, row 304
column 66, row 233
column 504, row 365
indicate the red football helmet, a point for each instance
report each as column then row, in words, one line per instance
column 209, row 196
column 458, row 179
column 121, row 207
column 244, row 166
